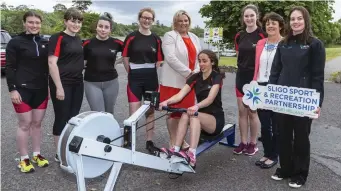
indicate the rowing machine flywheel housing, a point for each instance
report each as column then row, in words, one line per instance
column 99, row 126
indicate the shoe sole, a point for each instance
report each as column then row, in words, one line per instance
column 251, row 154
column 276, row 178
column 294, row 185
column 238, row 153
column 30, row 171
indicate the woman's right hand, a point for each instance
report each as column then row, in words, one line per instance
column 15, row 97
column 60, row 93
column 162, row 104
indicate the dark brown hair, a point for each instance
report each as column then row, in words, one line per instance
column 307, row 32
column 213, row 58
column 73, row 14
column 149, row 10
column 255, row 9
column 106, row 17
column 275, row 17
column 31, row 14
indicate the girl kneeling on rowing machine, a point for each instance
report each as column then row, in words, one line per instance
column 207, row 85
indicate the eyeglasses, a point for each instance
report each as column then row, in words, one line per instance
column 147, row 18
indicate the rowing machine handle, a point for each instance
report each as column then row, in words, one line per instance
column 177, row 110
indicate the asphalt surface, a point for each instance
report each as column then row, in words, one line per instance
column 217, row 168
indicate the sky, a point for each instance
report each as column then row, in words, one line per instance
column 126, row 11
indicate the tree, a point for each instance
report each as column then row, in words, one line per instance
column 81, row 5
column 227, row 14
column 59, row 8
column 3, row 6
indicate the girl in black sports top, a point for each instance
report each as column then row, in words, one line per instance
column 26, row 75
column 299, row 62
column 142, row 55
column 207, row 85
column 245, row 42
column 66, row 64
column 100, row 78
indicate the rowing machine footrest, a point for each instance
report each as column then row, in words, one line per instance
column 75, row 144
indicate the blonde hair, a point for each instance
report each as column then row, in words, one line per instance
column 177, row 15
column 149, row 10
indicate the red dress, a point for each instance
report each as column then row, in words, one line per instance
column 167, row 92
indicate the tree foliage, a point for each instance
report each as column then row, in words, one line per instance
column 11, row 20
column 82, row 5
column 227, row 14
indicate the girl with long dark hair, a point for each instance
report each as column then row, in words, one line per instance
column 299, row 62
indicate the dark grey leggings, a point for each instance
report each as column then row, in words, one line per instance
column 102, row 96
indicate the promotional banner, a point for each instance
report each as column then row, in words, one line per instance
column 295, row 101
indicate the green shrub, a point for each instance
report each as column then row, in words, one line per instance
column 336, row 77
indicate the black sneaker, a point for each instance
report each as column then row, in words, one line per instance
column 296, row 183
column 152, row 149
column 278, row 175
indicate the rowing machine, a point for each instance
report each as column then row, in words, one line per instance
column 93, row 142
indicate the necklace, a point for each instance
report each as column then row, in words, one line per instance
column 269, row 49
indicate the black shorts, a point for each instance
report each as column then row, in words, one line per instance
column 31, row 99
column 242, row 78
column 140, row 81
column 220, row 123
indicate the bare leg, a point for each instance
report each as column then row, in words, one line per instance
column 37, row 117
column 150, row 127
column 172, row 126
column 181, row 130
column 56, row 139
column 205, row 122
column 255, row 125
column 23, row 132
column 243, row 120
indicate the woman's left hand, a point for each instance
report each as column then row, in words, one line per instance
column 318, row 111
column 192, row 110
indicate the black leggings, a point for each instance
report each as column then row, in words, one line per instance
column 65, row 109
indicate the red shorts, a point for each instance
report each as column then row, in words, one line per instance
column 238, row 93
column 31, row 99
column 188, row 101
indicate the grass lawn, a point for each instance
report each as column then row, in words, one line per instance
column 332, row 53
column 232, row 61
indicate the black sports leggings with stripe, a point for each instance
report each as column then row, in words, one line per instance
column 65, row 109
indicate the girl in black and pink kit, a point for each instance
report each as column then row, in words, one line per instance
column 142, row 55
column 66, row 64
column 100, row 78
column 245, row 42
column 26, row 73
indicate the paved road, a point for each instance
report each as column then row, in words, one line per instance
column 218, row 168
column 332, row 66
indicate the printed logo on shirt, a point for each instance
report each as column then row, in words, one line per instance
column 304, row 46
column 287, row 46
column 112, row 51
column 42, row 46
column 153, row 49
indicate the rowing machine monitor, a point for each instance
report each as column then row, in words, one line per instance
column 152, row 97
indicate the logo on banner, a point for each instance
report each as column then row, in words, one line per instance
column 301, row 102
